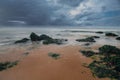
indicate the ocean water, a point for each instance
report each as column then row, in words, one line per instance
column 8, row 35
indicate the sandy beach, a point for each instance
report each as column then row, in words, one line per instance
column 39, row 66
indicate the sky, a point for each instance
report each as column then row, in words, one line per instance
column 60, row 12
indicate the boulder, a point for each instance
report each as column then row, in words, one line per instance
column 24, row 40
column 34, row 37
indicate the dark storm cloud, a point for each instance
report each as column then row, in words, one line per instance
column 33, row 12
column 60, row 12
column 73, row 3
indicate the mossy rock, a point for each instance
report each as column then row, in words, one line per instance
column 102, row 72
column 108, row 49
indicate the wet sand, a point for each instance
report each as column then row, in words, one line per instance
column 37, row 65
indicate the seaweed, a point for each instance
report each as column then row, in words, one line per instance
column 6, row 65
column 54, row 55
column 88, row 53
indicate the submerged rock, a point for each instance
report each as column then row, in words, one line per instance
column 34, row 37
column 111, row 34
column 22, row 40
column 89, row 39
column 118, row 38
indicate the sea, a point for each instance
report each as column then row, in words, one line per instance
column 8, row 35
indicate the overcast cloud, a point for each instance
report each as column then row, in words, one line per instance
column 60, row 12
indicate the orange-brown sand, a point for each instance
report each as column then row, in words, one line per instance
column 39, row 66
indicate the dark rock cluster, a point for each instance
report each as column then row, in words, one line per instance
column 45, row 38
column 108, row 63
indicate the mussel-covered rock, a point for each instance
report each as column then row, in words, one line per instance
column 89, row 39
column 34, row 37
column 111, row 34
column 22, row 40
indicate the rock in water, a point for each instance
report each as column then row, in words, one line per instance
column 89, row 39
column 34, row 37
column 111, row 34
column 95, row 36
column 99, row 32
column 22, row 40
column 118, row 38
